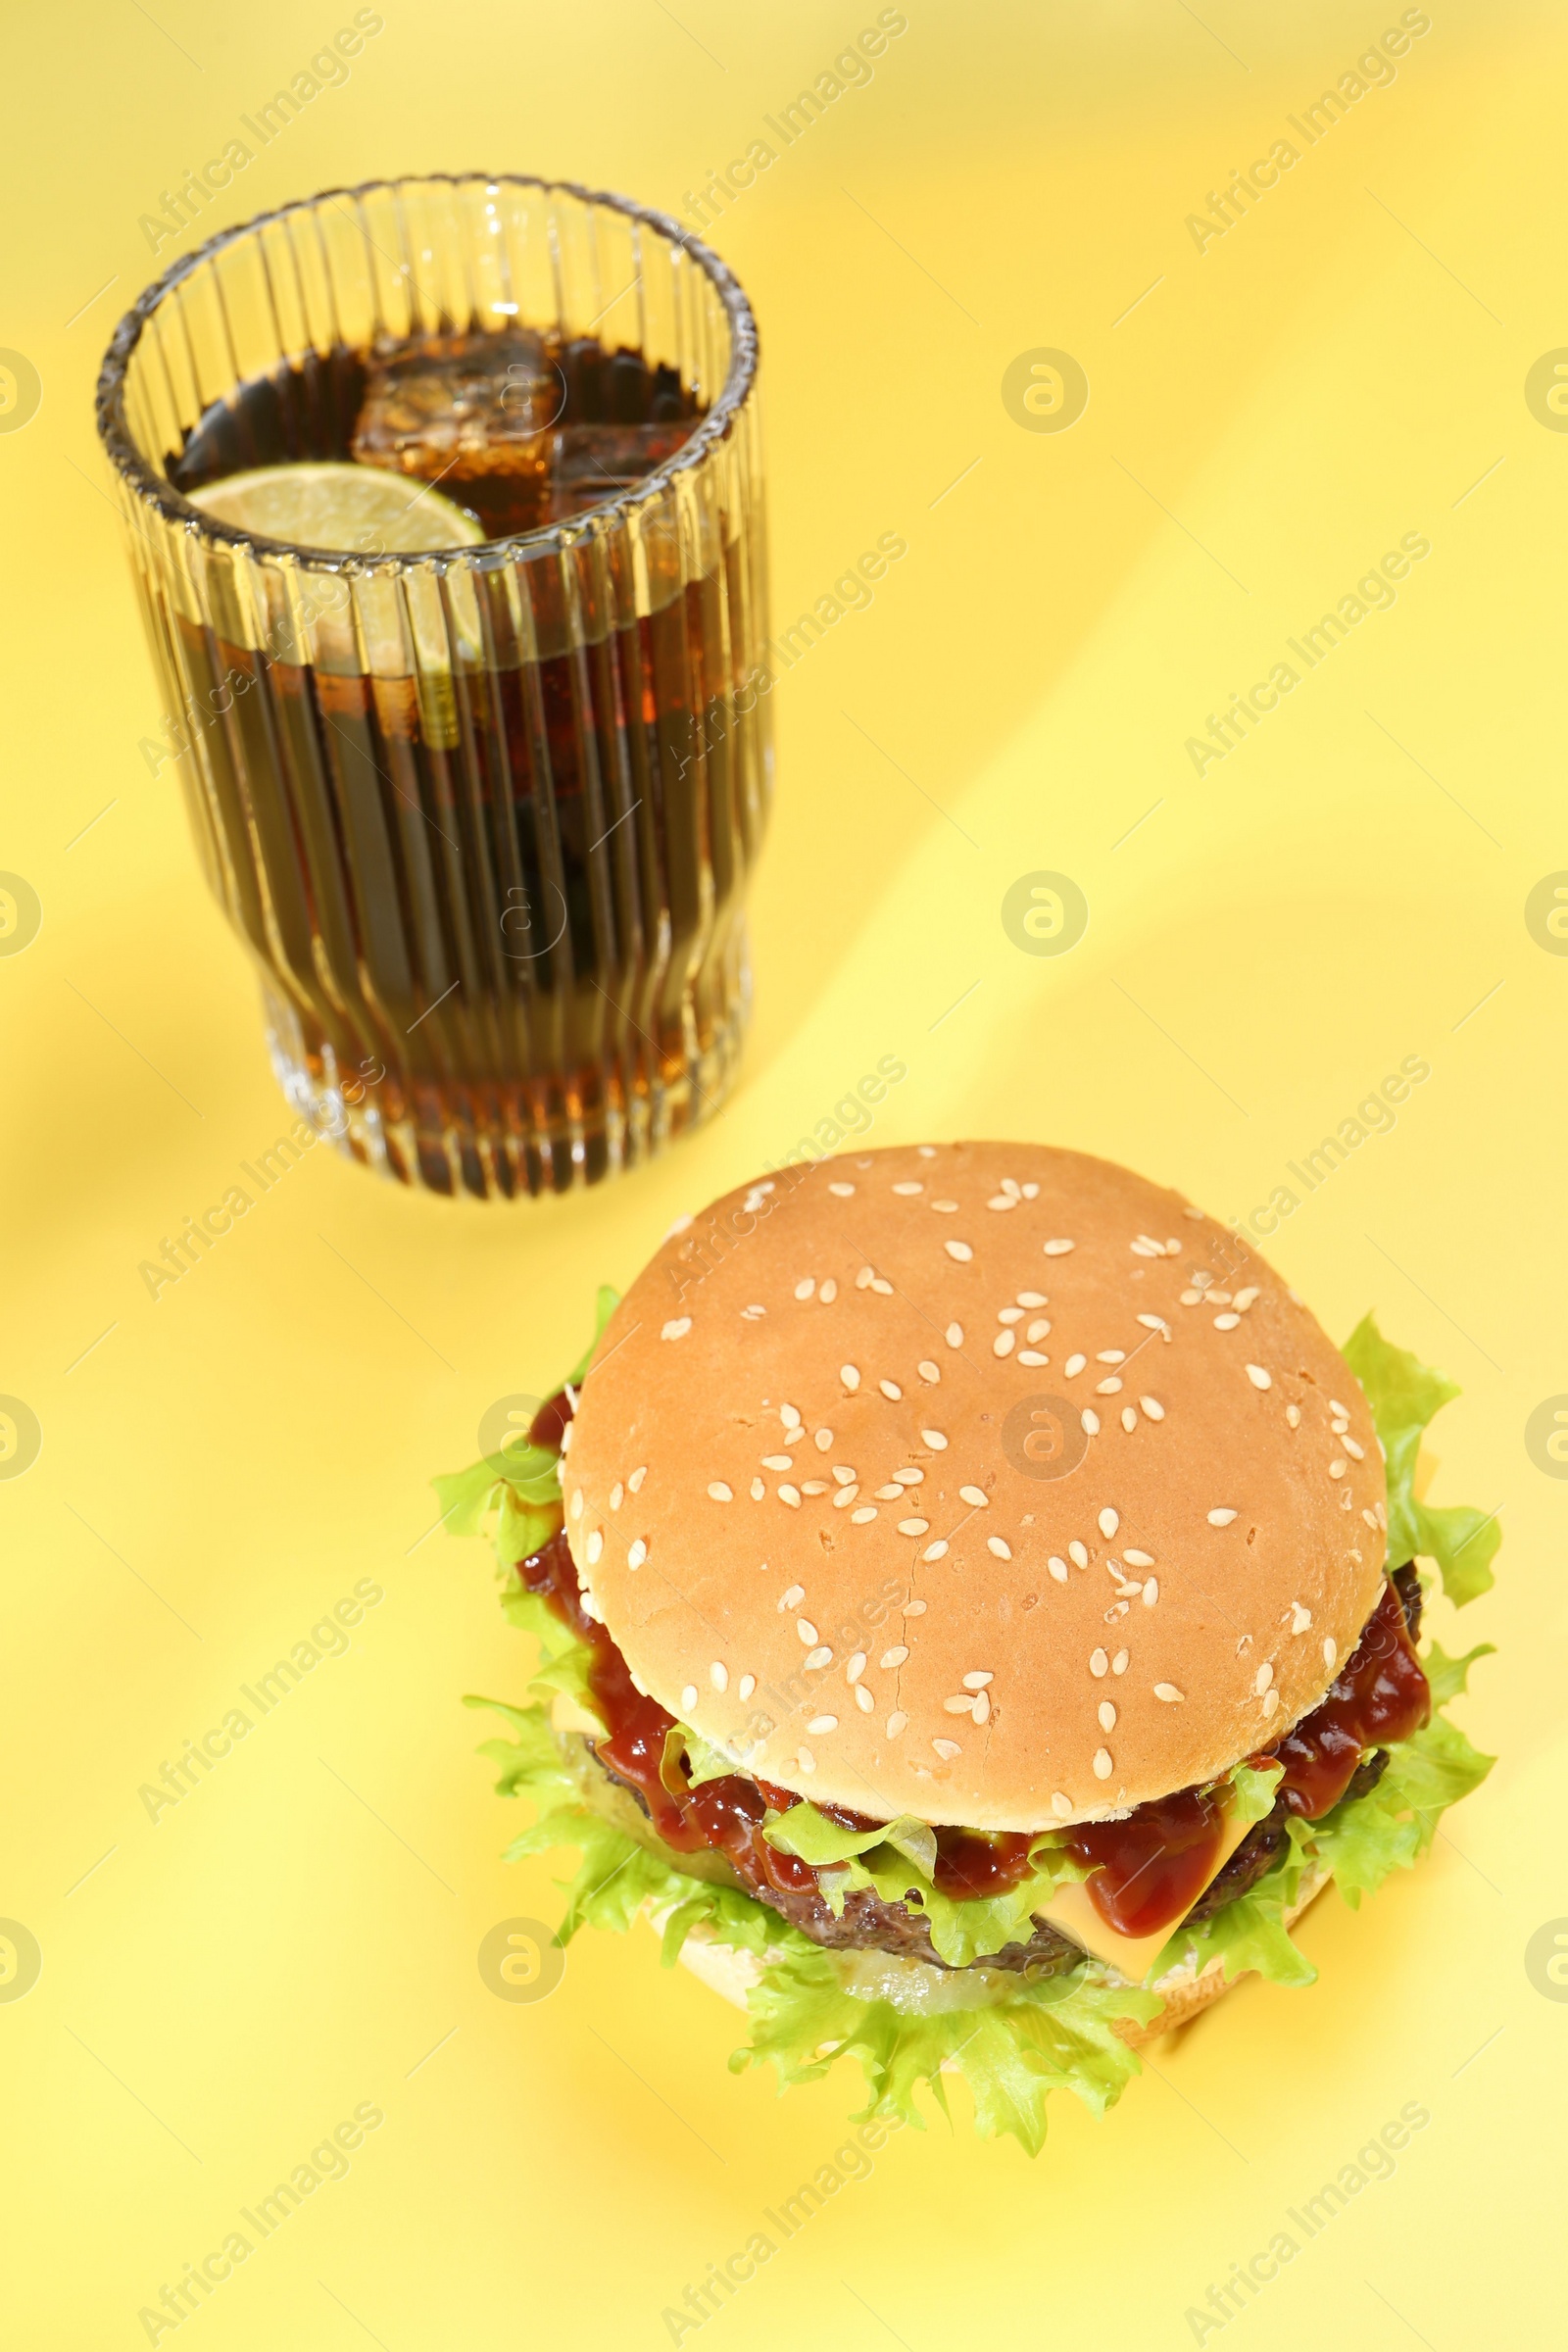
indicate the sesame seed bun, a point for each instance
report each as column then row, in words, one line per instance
column 1019, row 1447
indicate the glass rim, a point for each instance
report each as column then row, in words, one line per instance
column 148, row 484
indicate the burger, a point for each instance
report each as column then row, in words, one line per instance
column 979, row 1611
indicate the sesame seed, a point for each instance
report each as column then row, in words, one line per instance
column 719, row 1674
column 1338, row 1467
column 978, row 1680
column 1146, row 1249
column 806, row 1760
column 637, row 1554
column 1226, row 1322
column 1358, row 1452
column 617, row 1496
column 1091, row 1421
column 1111, row 1356
column 995, row 1543
column 1032, row 1355
column 790, row 1420
column 757, row 1489
column 1292, row 1415
column 1038, row 1329
column 867, row 1510
column 1108, row 1521
column 1129, row 1419
column 576, row 1504
column 1244, row 1298
column 845, row 1496
column 1271, row 1701
column 1099, row 1663
column 1009, row 1315
column 893, row 1656
column 947, row 1750
column 891, row 1390
column 816, row 1659
column 634, row 1484
column 866, row 1277
column 850, row 1376
column 753, row 1314
column 1058, row 1249
column 1150, row 1591
column 897, row 1722
column 1074, row 1365
column 1342, row 1413
column 909, row 1477
column 1108, row 1387
column 676, row 1328
column 1030, row 1192
column 1057, row 1568
column 864, row 1699
column 747, row 1685
column 982, row 1708
column 928, row 1370
column 890, row 1493
column 807, row 1630
column 1259, row 1377
column 884, row 1289
column 975, row 1497
column 778, row 1461
column 1300, row 1617
column 1104, row 1767
column 1191, row 1297
column 822, row 1440
column 842, row 1191
column 1001, row 1201
column 958, row 1249
column 855, row 1667
column 935, row 1440
column 1003, row 1344
column 844, row 1476
column 1061, row 1805
column 932, row 1551
column 793, row 1598
column 596, row 1544
column 1220, row 1518
column 791, row 1496
column 813, row 1486
column 946, row 1208
column 823, row 1723
column 1168, row 1693
column 957, row 1704
column 1107, row 1715
column 717, row 1491
column 1153, row 1408
column 1263, row 1677
column 1331, row 1649
column 953, row 1335
column 1077, row 1553
column 915, row 1527
column 688, row 1699
column 806, row 1289
column 1118, row 1664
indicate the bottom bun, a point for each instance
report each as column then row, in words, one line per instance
column 1187, row 1994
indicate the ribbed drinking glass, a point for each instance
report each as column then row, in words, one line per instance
column 484, row 819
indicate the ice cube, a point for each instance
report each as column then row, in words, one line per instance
column 474, row 413
column 590, row 462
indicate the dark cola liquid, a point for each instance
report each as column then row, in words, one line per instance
column 497, row 912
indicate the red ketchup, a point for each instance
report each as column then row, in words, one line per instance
column 1148, row 1870
column 1379, row 1696
column 1153, row 1867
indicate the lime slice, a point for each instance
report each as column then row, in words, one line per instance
column 347, row 509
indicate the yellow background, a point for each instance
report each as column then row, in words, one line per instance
column 1339, row 369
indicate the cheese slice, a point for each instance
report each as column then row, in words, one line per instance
column 1071, row 1909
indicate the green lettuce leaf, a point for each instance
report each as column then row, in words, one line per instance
column 1403, row 1394
column 1059, row 2033
column 1365, row 1839
column 1253, row 1788
column 1249, row 1932
column 524, row 1499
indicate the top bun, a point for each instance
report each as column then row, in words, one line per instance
column 982, row 1482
